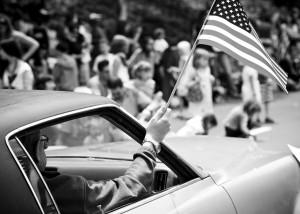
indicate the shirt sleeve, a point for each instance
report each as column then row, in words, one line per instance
column 133, row 185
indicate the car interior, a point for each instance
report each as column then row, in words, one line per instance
column 91, row 147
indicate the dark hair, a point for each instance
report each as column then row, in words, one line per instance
column 144, row 41
column 12, row 48
column 158, row 32
column 210, row 118
column 30, row 141
column 119, row 44
column 9, row 29
column 40, row 83
column 251, row 107
column 62, row 47
column 102, row 64
column 114, row 83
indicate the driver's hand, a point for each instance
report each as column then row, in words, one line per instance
column 159, row 124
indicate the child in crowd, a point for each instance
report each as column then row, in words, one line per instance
column 198, row 125
column 142, row 79
column 236, row 123
column 196, row 84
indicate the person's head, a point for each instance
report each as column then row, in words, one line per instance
column 147, row 44
column 251, row 107
column 142, row 70
column 103, row 70
column 117, row 90
column 6, row 28
column 184, row 48
column 10, row 50
column 45, row 82
column 119, row 44
column 104, row 47
column 159, row 33
column 209, row 121
column 35, row 144
column 62, row 48
column 201, row 58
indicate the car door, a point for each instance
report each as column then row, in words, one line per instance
column 273, row 188
column 202, row 196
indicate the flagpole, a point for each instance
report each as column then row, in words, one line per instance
column 188, row 59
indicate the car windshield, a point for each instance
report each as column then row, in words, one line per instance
column 91, row 136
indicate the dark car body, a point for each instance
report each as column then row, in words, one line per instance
column 193, row 175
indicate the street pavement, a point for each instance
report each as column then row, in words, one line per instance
column 285, row 110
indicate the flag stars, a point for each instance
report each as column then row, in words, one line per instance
column 225, row 12
column 224, row 7
column 219, row 9
column 230, row 11
column 221, row 14
column 227, row 17
column 222, row 2
column 218, row 5
column 232, row 16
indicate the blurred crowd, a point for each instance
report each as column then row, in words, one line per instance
column 50, row 52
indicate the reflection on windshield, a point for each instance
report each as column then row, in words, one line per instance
column 86, row 131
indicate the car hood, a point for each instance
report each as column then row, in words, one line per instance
column 223, row 158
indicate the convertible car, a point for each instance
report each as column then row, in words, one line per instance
column 94, row 137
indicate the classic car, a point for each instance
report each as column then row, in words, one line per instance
column 94, row 137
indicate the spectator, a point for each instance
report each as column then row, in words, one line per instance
column 266, row 85
column 223, row 70
column 77, row 43
column 196, row 84
column 65, row 70
column 129, row 99
column 105, row 54
column 142, row 80
column 98, row 83
column 18, row 74
column 198, row 125
column 168, row 70
column 27, row 45
column 120, row 47
column 250, row 87
column 160, row 44
column 144, row 53
column 45, row 82
column 236, row 122
column 291, row 65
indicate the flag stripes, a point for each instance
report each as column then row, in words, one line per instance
column 246, row 59
column 242, row 45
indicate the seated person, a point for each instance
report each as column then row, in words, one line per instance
column 236, row 123
column 198, row 125
column 75, row 194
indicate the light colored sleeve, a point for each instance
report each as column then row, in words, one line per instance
column 182, row 89
column 28, row 79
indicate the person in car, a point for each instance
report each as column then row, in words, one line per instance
column 74, row 194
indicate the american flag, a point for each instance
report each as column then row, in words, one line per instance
column 227, row 28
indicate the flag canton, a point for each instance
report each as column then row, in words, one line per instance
column 232, row 11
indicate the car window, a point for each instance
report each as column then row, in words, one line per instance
column 94, row 148
column 92, row 136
